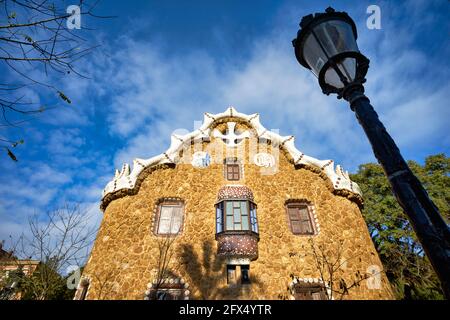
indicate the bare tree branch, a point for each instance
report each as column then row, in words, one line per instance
column 35, row 47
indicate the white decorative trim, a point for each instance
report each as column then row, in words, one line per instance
column 126, row 178
column 308, row 280
column 314, row 218
column 237, row 261
column 171, row 281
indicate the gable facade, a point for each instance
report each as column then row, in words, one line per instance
column 243, row 210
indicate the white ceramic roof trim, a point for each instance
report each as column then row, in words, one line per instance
column 126, row 179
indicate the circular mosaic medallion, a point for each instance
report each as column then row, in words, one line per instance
column 264, row 160
column 201, row 159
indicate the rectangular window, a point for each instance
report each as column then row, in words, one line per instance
column 300, row 219
column 231, row 274
column 170, row 218
column 238, row 274
column 169, row 294
column 305, row 220
column 253, row 221
column 237, row 215
column 232, row 171
column 219, row 217
column 245, row 274
column 310, row 292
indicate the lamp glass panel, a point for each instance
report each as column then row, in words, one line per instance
column 332, row 78
column 314, row 55
column 335, row 36
column 348, row 69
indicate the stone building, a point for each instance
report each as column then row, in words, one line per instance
column 10, row 264
column 232, row 210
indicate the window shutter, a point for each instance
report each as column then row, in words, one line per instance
column 296, row 227
column 302, row 296
column 165, row 217
column 316, row 296
column 170, row 220
column 236, row 172
column 299, row 219
column 176, row 219
column 310, row 292
column 232, row 171
column 293, row 214
column 294, row 220
column 305, row 220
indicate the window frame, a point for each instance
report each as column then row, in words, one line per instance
column 235, row 173
column 168, row 203
column 301, row 205
column 235, row 165
column 221, row 218
column 169, row 294
column 238, row 274
column 245, row 269
column 311, row 289
column 231, row 275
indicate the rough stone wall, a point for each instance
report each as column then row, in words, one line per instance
column 124, row 257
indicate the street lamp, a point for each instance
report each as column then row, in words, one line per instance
column 326, row 44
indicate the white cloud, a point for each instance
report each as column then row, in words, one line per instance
column 164, row 94
column 146, row 95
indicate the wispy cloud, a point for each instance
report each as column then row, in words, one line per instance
column 138, row 95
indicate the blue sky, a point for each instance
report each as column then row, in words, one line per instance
column 162, row 64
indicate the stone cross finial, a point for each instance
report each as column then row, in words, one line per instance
column 230, row 138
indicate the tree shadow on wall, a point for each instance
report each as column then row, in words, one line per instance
column 207, row 273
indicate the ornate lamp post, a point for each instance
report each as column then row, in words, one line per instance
column 326, row 44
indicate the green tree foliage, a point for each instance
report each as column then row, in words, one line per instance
column 45, row 284
column 407, row 268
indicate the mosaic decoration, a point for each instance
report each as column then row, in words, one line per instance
column 201, row 159
column 264, row 160
column 172, row 285
column 234, row 192
column 306, row 281
column 125, row 179
column 237, row 245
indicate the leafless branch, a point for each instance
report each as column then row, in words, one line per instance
column 36, row 49
column 59, row 239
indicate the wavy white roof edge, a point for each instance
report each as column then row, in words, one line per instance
column 126, row 178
